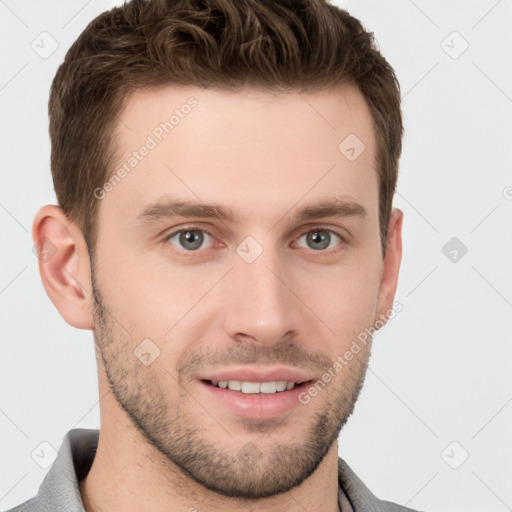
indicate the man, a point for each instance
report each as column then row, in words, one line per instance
column 225, row 174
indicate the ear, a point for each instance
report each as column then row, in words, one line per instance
column 64, row 265
column 390, row 266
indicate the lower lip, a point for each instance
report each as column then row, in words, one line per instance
column 258, row 406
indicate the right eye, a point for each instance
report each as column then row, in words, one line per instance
column 189, row 240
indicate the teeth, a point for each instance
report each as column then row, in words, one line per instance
column 281, row 385
column 250, row 387
column 255, row 387
column 235, row 385
column 268, row 387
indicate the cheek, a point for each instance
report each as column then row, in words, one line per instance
column 142, row 299
column 167, row 304
column 344, row 297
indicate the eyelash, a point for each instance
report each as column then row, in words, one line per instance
column 322, row 252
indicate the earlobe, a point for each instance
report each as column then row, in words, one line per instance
column 64, row 265
column 390, row 266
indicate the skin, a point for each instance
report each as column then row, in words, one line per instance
column 164, row 443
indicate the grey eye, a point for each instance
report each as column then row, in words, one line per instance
column 189, row 239
column 319, row 239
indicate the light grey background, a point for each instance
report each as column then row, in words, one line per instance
column 440, row 371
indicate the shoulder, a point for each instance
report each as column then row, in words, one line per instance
column 59, row 490
column 360, row 497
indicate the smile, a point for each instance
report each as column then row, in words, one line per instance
column 255, row 387
column 252, row 399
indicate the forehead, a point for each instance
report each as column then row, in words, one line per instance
column 244, row 149
column 242, row 116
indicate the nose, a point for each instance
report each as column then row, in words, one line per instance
column 260, row 305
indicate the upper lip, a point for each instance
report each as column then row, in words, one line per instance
column 254, row 374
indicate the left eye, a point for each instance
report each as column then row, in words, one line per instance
column 190, row 239
column 320, row 239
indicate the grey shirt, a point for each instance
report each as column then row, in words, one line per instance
column 60, row 491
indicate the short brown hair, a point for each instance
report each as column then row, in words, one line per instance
column 279, row 45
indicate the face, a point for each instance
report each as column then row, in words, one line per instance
column 238, row 258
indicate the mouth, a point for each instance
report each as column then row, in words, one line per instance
column 253, row 399
column 257, row 388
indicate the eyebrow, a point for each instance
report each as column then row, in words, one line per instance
column 169, row 208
